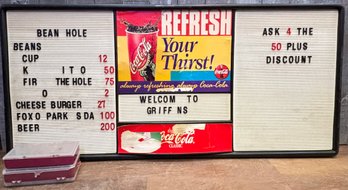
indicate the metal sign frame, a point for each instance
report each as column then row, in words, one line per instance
column 234, row 154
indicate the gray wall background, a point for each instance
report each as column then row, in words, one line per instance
column 344, row 100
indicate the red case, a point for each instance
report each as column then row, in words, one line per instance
column 41, row 155
column 42, row 175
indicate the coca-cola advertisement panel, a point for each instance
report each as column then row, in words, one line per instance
column 174, row 51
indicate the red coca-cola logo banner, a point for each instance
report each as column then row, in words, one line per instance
column 175, row 138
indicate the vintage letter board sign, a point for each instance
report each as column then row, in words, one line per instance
column 166, row 81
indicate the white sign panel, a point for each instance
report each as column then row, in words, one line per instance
column 62, row 78
column 174, row 107
column 284, row 80
column 226, row 80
